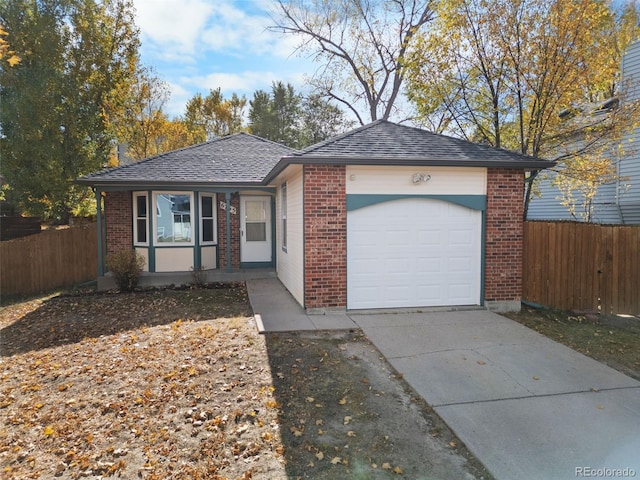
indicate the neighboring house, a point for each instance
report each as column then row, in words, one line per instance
column 384, row 216
column 615, row 203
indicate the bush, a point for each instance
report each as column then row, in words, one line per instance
column 126, row 266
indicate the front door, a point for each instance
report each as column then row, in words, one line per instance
column 255, row 229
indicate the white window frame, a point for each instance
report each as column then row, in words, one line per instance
column 283, row 215
column 156, row 209
column 214, row 218
column 137, row 195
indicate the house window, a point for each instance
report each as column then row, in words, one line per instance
column 174, row 211
column 207, row 219
column 283, row 208
column 140, row 219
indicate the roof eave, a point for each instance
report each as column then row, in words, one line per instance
column 403, row 162
column 163, row 184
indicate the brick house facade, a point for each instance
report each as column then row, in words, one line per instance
column 330, row 185
column 504, row 230
column 325, row 233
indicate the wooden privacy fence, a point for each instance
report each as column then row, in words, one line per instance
column 48, row 260
column 581, row 266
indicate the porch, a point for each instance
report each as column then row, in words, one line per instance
column 159, row 279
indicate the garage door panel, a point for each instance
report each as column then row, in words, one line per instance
column 429, row 237
column 400, row 239
column 425, row 253
column 460, row 264
column 429, row 265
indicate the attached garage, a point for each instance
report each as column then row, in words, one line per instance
column 413, row 252
column 391, row 216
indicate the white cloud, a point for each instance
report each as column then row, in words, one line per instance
column 174, row 25
column 198, row 45
column 240, row 82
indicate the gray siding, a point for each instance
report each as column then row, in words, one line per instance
column 548, row 207
column 614, row 203
column 629, row 167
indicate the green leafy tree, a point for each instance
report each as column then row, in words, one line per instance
column 276, row 115
column 320, row 120
column 288, row 117
column 77, row 60
column 260, row 115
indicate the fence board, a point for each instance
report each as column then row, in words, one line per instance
column 578, row 266
column 48, row 260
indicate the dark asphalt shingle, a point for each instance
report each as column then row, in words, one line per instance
column 246, row 159
column 386, row 140
column 238, row 158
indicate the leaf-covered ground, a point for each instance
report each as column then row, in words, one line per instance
column 612, row 340
column 179, row 384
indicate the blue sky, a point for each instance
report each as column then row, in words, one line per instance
column 198, row 45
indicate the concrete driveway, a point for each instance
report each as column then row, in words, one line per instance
column 526, row 406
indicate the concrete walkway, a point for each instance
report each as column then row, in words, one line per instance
column 276, row 310
column 526, row 407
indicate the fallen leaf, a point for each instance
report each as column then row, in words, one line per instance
column 481, row 362
column 347, row 420
column 351, row 433
column 398, row 470
column 535, row 377
column 336, row 460
column 342, row 401
column 600, row 407
column 319, row 455
column 386, row 466
column 453, row 444
column 311, row 399
column 48, row 430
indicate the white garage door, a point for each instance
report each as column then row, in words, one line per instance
column 413, row 253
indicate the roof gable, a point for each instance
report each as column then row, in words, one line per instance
column 238, row 158
column 387, row 143
column 386, row 140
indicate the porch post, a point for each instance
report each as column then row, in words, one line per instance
column 227, row 197
column 99, row 231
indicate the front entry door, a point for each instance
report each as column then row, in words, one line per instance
column 255, row 229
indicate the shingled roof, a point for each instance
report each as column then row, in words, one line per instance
column 236, row 159
column 387, row 143
column 244, row 159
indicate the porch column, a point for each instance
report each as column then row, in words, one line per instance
column 227, row 197
column 99, row 231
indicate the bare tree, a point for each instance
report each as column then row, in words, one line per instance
column 360, row 44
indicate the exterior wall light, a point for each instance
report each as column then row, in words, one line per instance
column 417, row 178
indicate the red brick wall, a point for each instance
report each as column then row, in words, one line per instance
column 325, row 236
column 235, row 232
column 118, row 208
column 503, row 254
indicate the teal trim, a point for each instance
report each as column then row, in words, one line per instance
column 99, row 226
column 227, row 198
column 356, row 201
column 151, row 220
column 256, row 264
column 273, row 230
column 195, row 221
column 483, row 241
column 178, row 187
